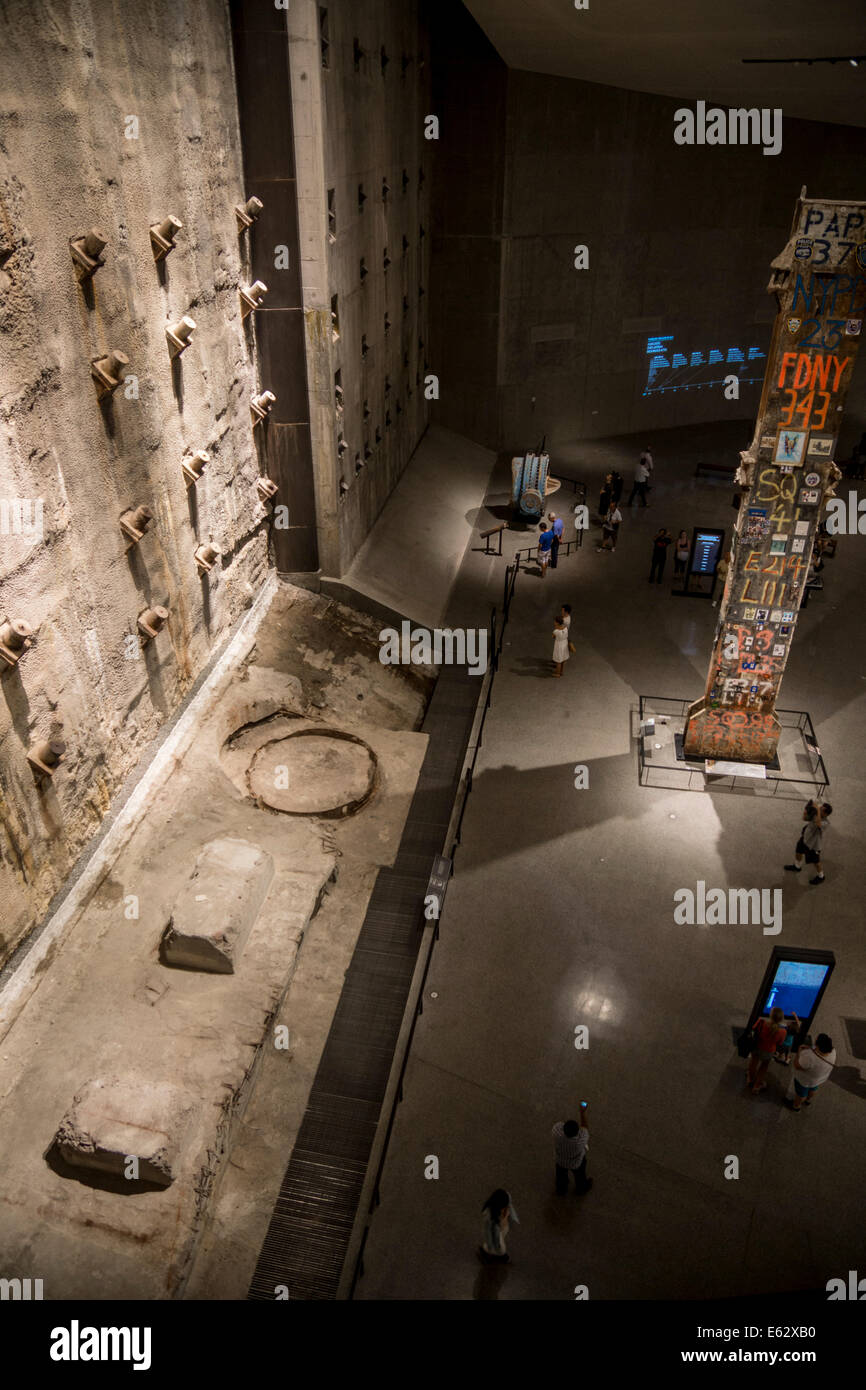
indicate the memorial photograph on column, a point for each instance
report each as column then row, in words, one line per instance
column 366, row 367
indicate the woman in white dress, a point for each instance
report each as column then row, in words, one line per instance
column 560, row 645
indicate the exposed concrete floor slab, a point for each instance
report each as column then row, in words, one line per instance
column 243, row 1203
column 107, row 1006
column 561, row 913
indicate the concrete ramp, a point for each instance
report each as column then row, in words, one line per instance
column 411, row 558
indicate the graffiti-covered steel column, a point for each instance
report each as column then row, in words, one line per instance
column 785, row 478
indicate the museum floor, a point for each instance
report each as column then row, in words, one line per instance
column 560, row 913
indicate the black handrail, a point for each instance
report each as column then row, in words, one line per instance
column 496, row 643
column 576, row 486
column 565, row 548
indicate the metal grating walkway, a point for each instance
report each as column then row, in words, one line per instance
column 309, row 1232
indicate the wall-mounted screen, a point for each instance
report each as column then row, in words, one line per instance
column 695, row 369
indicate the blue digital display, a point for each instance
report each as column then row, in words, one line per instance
column 705, row 556
column 695, row 369
column 795, row 987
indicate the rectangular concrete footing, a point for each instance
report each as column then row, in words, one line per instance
column 216, row 910
column 125, row 1128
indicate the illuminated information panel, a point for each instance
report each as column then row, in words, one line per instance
column 695, row 369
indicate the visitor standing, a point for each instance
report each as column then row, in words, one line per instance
column 545, row 542
column 661, row 541
column 571, row 1144
column 605, row 496
column 770, row 1033
column 616, row 487
column 721, row 578
column 646, row 459
column 560, row 645
column 612, row 523
column 812, row 1066
column 557, row 525
column 565, row 615
column 681, row 554
column 641, row 475
column 498, row 1215
column 809, row 845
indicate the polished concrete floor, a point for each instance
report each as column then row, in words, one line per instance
column 560, row 914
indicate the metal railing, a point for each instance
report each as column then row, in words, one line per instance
column 353, row 1269
column 691, row 772
column 530, row 552
column 576, row 487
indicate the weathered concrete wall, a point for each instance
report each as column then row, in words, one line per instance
column 359, row 121
column 679, row 239
column 470, row 84
column 72, row 72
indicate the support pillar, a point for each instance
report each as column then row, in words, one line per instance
column 785, row 479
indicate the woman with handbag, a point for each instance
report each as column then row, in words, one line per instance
column 769, row 1034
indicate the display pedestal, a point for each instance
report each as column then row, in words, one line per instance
column 796, row 770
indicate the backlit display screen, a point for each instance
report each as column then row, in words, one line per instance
column 795, row 987
column 695, row 369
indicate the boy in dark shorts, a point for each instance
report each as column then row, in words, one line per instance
column 811, row 839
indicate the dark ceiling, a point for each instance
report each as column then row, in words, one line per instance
column 692, row 49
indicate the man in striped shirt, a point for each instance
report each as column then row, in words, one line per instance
column 571, row 1142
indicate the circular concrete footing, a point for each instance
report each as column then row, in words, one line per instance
column 313, row 773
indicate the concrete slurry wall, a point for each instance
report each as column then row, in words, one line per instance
column 70, row 76
column 680, row 242
column 360, row 126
